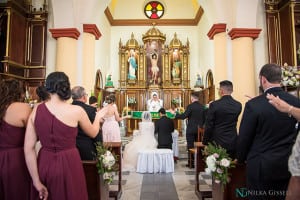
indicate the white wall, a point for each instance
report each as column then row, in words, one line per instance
column 201, row 48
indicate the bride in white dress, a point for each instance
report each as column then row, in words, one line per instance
column 143, row 140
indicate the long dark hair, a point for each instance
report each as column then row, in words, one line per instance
column 11, row 91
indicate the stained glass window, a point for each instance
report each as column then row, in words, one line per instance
column 154, row 10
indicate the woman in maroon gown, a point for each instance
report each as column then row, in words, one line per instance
column 15, row 180
column 57, row 173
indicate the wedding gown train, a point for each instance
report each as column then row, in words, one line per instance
column 144, row 140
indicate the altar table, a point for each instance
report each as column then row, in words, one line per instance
column 154, row 115
column 155, row 161
column 132, row 122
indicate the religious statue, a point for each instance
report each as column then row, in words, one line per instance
column 176, row 69
column 199, row 81
column 154, row 104
column 132, row 65
column 109, row 82
column 154, row 67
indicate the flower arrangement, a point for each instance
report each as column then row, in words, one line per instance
column 126, row 110
column 131, row 100
column 180, row 110
column 290, row 75
column 106, row 163
column 175, row 101
column 218, row 162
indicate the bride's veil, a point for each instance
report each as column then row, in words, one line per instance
column 146, row 116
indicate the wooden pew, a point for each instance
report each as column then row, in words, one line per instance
column 97, row 190
column 192, row 151
column 116, row 148
column 200, row 167
column 238, row 180
column 237, row 175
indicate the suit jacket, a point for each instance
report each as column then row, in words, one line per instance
column 266, row 137
column 84, row 143
column 164, row 128
column 196, row 116
column 221, row 120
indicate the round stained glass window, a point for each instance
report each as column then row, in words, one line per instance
column 154, row 10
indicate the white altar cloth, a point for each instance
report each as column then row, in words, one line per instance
column 155, row 161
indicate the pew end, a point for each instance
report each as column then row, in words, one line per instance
column 96, row 188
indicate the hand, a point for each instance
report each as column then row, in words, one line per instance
column 279, row 104
column 126, row 116
column 249, row 97
column 172, row 112
column 43, row 192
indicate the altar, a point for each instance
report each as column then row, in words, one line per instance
column 158, row 65
column 133, row 121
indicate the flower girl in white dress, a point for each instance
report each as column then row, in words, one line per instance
column 144, row 140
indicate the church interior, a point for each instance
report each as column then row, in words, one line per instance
column 135, row 48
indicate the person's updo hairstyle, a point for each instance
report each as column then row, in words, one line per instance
column 58, row 82
column 109, row 99
column 11, row 90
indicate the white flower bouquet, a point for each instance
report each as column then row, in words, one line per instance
column 175, row 101
column 290, row 76
column 107, row 165
column 131, row 100
column 217, row 163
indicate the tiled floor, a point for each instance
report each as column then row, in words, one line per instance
column 179, row 185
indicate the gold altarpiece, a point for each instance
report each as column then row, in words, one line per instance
column 138, row 64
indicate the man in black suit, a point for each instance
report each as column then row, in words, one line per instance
column 164, row 128
column 221, row 119
column 84, row 143
column 266, row 137
column 196, row 116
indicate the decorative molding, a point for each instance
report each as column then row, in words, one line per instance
column 65, row 32
column 272, row 2
column 159, row 22
column 244, row 32
column 215, row 29
column 92, row 29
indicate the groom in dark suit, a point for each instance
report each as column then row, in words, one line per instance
column 221, row 119
column 164, row 128
column 266, row 137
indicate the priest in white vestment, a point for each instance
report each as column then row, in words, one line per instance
column 154, row 104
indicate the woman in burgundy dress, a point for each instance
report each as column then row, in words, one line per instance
column 57, row 171
column 15, row 181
